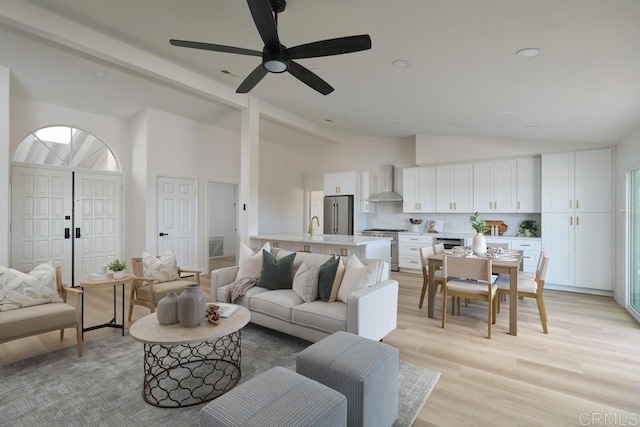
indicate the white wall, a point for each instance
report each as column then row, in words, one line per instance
column 627, row 158
column 222, row 214
column 434, row 149
column 5, row 114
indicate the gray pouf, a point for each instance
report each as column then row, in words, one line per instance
column 278, row 397
column 364, row 370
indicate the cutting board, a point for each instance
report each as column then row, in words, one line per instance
column 502, row 227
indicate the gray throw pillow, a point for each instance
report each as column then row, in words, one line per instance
column 326, row 276
column 276, row 274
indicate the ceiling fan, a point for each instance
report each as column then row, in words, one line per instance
column 276, row 58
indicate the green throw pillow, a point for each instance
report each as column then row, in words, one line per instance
column 276, row 274
column 326, row 276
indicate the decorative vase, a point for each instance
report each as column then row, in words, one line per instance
column 479, row 246
column 191, row 306
column 167, row 309
column 119, row 274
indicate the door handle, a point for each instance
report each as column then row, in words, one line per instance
column 67, row 233
column 78, row 235
column 164, row 234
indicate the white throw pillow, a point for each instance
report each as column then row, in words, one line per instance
column 162, row 269
column 357, row 276
column 250, row 262
column 18, row 289
column 305, row 282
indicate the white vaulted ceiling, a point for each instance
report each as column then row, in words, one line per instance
column 463, row 74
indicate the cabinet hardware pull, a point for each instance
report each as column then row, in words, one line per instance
column 570, row 220
column 527, row 257
column 413, row 238
column 571, row 204
column 414, row 249
column 518, row 205
column 450, row 206
column 495, row 205
column 414, row 262
column 577, row 204
column 577, row 220
column 455, row 205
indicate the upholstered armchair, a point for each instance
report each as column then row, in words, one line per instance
column 156, row 276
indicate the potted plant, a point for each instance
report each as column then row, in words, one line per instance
column 118, row 268
column 528, row 228
column 479, row 246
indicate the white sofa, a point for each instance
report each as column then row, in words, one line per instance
column 370, row 312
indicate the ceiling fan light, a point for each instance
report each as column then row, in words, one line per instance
column 275, row 66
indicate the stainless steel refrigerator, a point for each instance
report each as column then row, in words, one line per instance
column 338, row 215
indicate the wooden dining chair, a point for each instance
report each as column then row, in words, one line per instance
column 438, row 278
column 529, row 288
column 469, row 278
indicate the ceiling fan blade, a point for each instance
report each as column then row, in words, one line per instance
column 330, row 47
column 215, row 47
column 309, row 78
column 265, row 23
column 252, row 79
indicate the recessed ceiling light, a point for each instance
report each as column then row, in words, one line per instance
column 532, row 127
column 530, row 52
column 507, row 113
column 328, row 120
column 317, row 70
column 99, row 74
column 400, row 63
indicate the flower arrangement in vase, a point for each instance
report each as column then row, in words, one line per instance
column 479, row 246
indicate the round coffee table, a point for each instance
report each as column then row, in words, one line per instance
column 189, row 366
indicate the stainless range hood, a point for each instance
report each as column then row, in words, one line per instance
column 387, row 183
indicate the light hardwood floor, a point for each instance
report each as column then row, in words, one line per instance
column 584, row 372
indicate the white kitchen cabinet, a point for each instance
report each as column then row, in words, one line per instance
column 409, row 250
column 528, row 184
column 340, row 183
column 494, row 186
column 454, row 188
column 367, row 189
column 577, row 182
column 577, row 219
column 418, row 189
column 531, row 249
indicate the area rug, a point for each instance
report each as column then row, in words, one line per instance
column 104, row 386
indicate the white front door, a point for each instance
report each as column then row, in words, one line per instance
column 177, row 231
column 97, row 222
column 41, row 209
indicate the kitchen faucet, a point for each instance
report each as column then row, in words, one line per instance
column 311, row 225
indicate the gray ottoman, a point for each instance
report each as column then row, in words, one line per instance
column 278, row 397
column 364, row 370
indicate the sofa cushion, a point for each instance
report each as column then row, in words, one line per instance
column 162, row 269
column 31, row 320
column 325, row 316
column 310, row 259
column 277, row 303
column 244, row 300
column 276, row 273
column 250, row 262
column 337, row 280
column 357, row 276
column 305, row 282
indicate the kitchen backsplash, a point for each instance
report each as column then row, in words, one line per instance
column 390, row 215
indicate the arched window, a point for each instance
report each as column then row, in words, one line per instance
column 66, row 146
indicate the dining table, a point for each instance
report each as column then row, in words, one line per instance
column 508, row 263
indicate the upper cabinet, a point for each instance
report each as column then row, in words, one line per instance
column 419, row 189
column 528, row 184
column 340, row 183
column 577, row 182
column 454, row 188
column 367, row 189
column 494, row 186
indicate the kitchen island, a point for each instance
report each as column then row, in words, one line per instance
column 330, row 244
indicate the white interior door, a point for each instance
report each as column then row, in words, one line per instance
column 97, row 222
column 177, row 231
column 41, row 209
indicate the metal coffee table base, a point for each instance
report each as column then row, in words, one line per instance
column 182, row 375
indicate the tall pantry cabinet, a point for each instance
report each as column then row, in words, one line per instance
column 577, row 218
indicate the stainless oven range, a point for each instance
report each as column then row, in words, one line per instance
column 386, row 232
column 449, row 242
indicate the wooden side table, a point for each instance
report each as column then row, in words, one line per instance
column 87, row 283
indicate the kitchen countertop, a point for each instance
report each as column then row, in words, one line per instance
column 466, row 235
column 326, row 239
